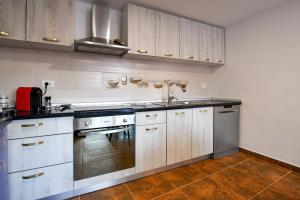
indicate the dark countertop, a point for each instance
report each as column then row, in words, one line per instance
column 111, row 110
column 4, row 120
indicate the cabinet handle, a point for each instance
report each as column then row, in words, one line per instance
column 189, row 57
column 31, row 125
column 206, row 59
column 142, row 51
column 33, row 144
column 168, row 54
column 50, row 39
column 2, row 33
column 33, row 176
column 205, row 110
column 179, row 113
column 154, row 115
column 219, row 61
column 151, row 129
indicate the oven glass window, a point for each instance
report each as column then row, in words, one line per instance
column 98, row 153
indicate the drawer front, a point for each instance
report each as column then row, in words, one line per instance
column 39, row 183
column 153, row 117
column 30, row 153
column 39, row 127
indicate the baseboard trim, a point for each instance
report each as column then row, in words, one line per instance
column 271, row 160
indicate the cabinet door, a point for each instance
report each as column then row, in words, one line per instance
column 50, row 21
column 40, row 183
column 12, row 19
column 202, row 132
column 206, row 44
column 189, row 39
column 218, row 45
column 150, row 147
column 140, row 30
column 167, row 35
column 179, row 135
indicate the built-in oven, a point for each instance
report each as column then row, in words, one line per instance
column 103, row 144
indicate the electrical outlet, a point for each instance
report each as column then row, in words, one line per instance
column 51, row 83
column 204, row 85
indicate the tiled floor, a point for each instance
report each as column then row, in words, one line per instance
column 235, row 177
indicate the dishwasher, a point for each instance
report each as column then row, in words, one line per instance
column 226, row 130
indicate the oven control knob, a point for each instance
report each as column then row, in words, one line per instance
column 124, row 120
column 87, row 123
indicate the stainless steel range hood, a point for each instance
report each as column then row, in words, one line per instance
column 106, row 26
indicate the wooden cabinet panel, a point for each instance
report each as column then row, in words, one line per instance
column 151, row 117
column 30, row 153
column 206, row 42
column 167, row 35
column 218, row 45
column 150, row 147
column 202, row 132
column 12, row 19
column 50, row 21
column 39, row 183
column 189, row 39
column 179, row 130
column 139, row 27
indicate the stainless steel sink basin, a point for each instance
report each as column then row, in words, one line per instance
column 174, row 103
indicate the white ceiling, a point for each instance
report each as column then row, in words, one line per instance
column 218, row 12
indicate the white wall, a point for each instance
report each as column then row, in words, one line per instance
column 263, row 70
column 82, row 77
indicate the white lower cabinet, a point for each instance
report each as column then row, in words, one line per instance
column 39, row 183
column 202, row 132
column 30, row 153
column 179, row 131
column 150, row 147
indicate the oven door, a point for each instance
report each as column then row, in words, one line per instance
column 104, row 150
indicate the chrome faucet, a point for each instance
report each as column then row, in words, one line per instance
column 170, row 84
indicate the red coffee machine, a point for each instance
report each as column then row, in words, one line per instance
column 29, row 99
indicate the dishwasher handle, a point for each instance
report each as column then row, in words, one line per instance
column 228, row 111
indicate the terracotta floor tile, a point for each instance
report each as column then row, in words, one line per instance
column 119, row 192
column 208, row 189
column 234, row 158
column 274, row 194
column 150, row 187
column 261, row 170
column 174, row 195
column 184, row 175
column 75, row 198
column 210, row 166
column 290, row 184
column 241, row 183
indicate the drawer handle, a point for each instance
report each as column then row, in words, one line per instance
column 189, row 57
column 154, row 115
column 179, row 113
column 151, row 129
column 168, row 54
column 50, row 39
column 142, row 51
column 206, row 59
column 33, row 144
column 2, row 33
column 33, row 176
column 32, row 125
column 219, row 61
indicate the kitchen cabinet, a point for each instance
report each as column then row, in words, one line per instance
column 50, row 22
column 218, row 35
column 167, row 35
column 40, row 183
column 139, row 30
column 206, row 42
column 202, row 132
column 179, row 133
column 12, row 19
column 189, row 39
column 150, row 147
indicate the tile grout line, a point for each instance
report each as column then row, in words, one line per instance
column 270, row 185
column 129, row 191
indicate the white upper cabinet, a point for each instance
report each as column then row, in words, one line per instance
column 12, row 19
column 206, row 42
column 139, row 30
column 167, row 35
column 179, row 133
column 218, row 45
column 202, row 132
column 50, row 21
column 189, row 39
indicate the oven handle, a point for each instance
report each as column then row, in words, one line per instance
column 100, row 131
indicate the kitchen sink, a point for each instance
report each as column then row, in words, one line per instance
column 174, row 103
